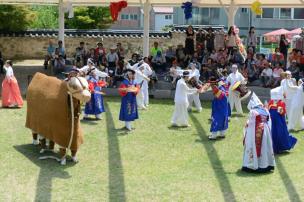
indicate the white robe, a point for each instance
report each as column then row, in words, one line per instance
column 250, row 158
column 234, row 98
column 86, row 69
column 289, row 89
column 147, row 72
column 295, row 118
column 139, row 79
column 180, row 114
column 194, row 97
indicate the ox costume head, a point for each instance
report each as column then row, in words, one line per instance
column 79, row 88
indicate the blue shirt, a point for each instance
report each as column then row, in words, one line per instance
column 51, row 49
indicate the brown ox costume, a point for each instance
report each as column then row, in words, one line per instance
column 49, row 112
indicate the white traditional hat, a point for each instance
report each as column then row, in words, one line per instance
column 234, row 66
column 276, row 93
column 254, row 102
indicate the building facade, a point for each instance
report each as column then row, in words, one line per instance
column 131, row 18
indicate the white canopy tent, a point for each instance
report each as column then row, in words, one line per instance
column 230, row 6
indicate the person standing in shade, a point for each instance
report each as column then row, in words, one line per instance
column 128, row 90
column 189, row 43
column 252, row 39
column 281, row 139
column 284, row 47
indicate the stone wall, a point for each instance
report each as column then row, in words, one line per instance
column 35, row 47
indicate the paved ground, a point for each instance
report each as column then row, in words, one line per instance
column 25, row 68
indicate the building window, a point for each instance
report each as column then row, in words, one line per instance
column 267, row 13
column 244, row 10
column 124, row 17
column 285, row 13
column 133, row 16
column 298, row 13
column 168, row 17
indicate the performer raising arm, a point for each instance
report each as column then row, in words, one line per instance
column 180, row 114
column 128, row 90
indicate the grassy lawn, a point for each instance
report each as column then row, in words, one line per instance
column 153, row 163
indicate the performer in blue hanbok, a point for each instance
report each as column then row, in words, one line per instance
column 128, row 90
column 95, row 106
column 226, row 86
column 281, row 139
column 219, row 114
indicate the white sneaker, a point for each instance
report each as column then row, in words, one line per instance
column 35, row 142
column 212, row 136
column 199, row 110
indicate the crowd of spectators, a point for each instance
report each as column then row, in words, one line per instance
column 198, row 49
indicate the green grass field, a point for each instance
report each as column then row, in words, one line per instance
column 152, row 163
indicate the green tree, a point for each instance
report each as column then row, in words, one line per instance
column 90, row 18
column 15, row 18
column 46, row 17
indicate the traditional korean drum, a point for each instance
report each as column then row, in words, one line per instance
column 241, row 89
column 194, row 83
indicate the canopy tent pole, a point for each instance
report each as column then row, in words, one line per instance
column 147, row 7
column 61, row 22
column 231, row 14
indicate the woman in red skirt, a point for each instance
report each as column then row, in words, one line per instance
column 11, row 96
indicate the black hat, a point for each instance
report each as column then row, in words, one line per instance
column 186, row 73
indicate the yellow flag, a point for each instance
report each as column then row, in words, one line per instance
column 256, row 8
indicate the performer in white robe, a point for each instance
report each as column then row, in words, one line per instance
column 289, row 90
column 234, row 98
column 258, row 151
column 147, row 71
column 295, row 118
column 90, row 69
column 142, row 80
column 180, row 114
column 194, row 97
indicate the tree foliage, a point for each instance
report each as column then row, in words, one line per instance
column 15, row 18
column 18, row 18
column 46, row 17
column 90, row 18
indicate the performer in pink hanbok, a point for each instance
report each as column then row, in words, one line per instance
column 11, row 96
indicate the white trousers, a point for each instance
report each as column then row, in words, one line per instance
column 194, row 98
column 128, row 125
column 180, row 114
column 234, row 100
column 145, row 91
column 140, row 99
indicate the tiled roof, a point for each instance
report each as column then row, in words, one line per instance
column 85, row 33
column 182, row 28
